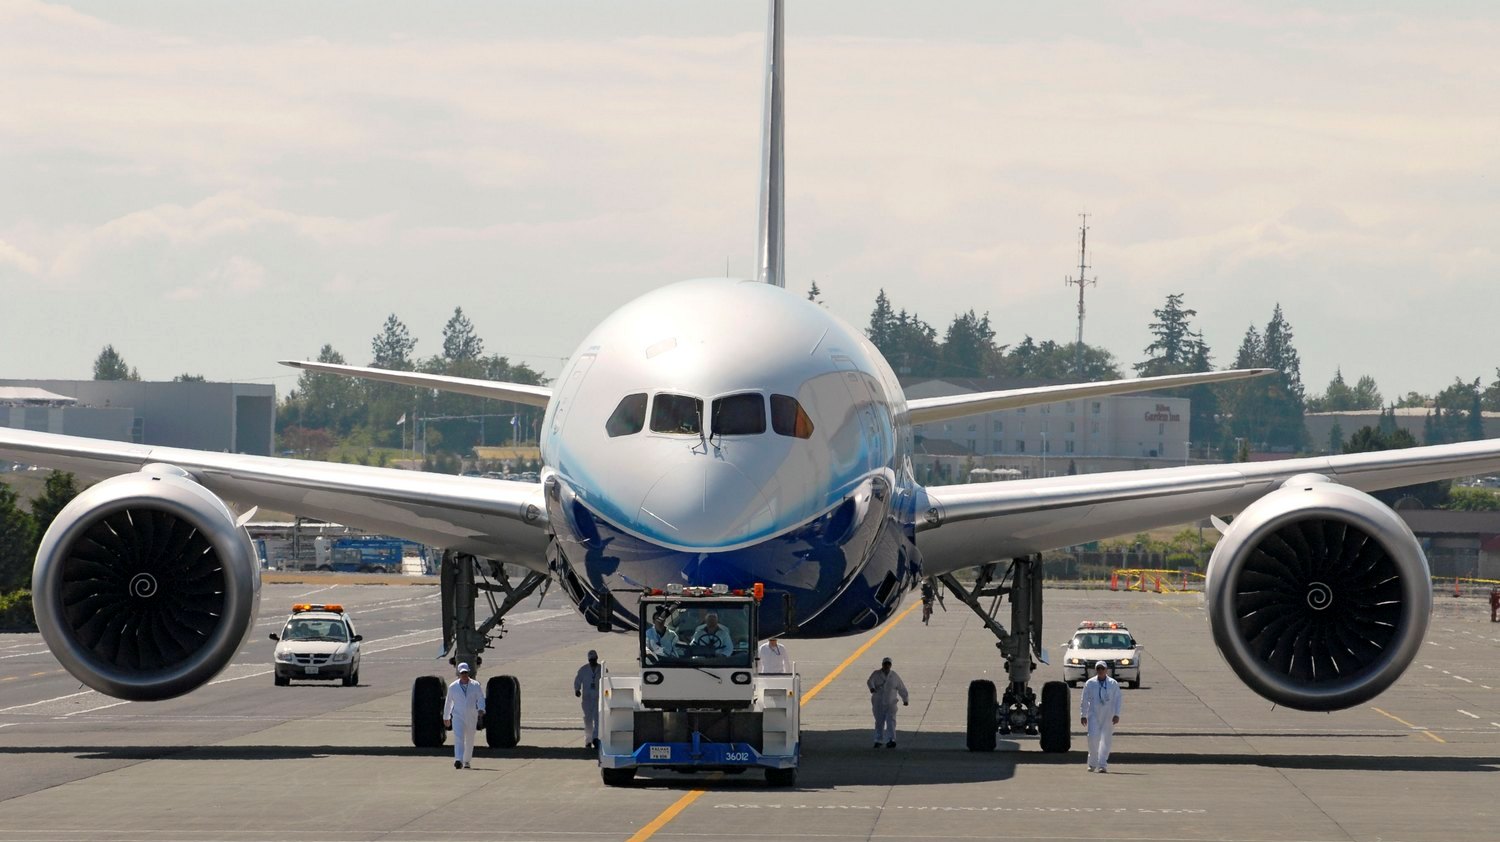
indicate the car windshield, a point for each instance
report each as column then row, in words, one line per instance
column 690, row 634
column 306, row 628
column 1111, row 640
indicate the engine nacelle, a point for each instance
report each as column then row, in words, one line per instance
column 1318, row 595
column 144, row 587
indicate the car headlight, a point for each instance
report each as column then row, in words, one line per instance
column 1124, row 662
column 340, row 658
column 1074, row 661
column 286, row 657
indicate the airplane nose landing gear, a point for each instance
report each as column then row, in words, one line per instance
column 1018, row 709
column 466, row 639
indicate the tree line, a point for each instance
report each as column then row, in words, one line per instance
column 1263, row 414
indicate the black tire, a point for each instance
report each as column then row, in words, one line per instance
column 617, row 777
column 283, row 682
column 351, row 679
column 1134, row 685
column 983, row 703
column 502, row 715
column 781, row 777
column 427, row 697
column 1056, row 727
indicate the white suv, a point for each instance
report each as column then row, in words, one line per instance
column 318, row 643
column 1107, row 641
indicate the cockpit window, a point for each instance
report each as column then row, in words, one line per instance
column 788, row 418
column 677, row 414
column 740, row 415
column 629, row 417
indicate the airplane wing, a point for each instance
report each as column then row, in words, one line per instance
column 496, row 519
column 928, row 410
column 516, row 392
column 966, row 525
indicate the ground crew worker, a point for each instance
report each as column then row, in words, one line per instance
column 463, row 711
column 885, row 686
column 1494, row 605
column 773, row 658
column 586, row 687
column 714, row 635
column 1100, row 711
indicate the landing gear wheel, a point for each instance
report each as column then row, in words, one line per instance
column 980, row 735
column 781, row 777
column 502, row 716
column 283, row 682
column 427, row 697
column 617, row 777
column 1056, row 727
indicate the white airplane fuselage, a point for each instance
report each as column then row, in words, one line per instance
column 801, row 480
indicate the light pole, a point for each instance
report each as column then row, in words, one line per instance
column 1187, row 448
column 1044, row 453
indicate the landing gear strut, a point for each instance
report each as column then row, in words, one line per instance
column 1018, row 709
column 466, row 640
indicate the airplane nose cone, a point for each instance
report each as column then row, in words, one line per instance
column 706, row 503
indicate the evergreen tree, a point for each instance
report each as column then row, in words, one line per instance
column 189, row 378
column 17, row 542
column 1370, row 439
column 1269, row 410
column 324, row 401
column 882, row 329
column 814, row 294
column 1366, row 395
column 1173, row 344
column 969, row 347
column 1336, row 438
column 59, row 491
column 392, row 347
column 460, row 342
column 1388, row 421
column 109, row 365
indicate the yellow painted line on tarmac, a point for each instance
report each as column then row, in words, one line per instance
column 1418, row 728
column 686, row 800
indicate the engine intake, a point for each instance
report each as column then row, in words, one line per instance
column 1318, row 595
column 144, row 587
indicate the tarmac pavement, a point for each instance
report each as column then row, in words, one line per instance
column 1197, row 755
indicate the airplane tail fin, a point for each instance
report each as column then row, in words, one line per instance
column 770, row 249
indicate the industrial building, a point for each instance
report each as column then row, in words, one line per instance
column 225, row 417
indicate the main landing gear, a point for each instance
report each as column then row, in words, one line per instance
column 466, row 640
column 1017, row 710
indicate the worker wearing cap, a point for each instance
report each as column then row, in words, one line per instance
column 772, row 658
column 1100, row 711
column 586, row 687
column 464, row 713
column 885, row 686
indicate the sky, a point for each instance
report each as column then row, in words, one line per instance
column 210, row 186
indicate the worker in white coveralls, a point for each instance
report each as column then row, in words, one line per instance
column 586, row 687
column 1100, row 711
column 885, row 686
column 773, row 658
column 464, row 713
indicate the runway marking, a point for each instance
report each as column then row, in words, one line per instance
column 1486, row 686
column 45, row 701
column 1418, row 728
column 23, row 654
column 682, row 803
column 1496, row 724
column 310, row 593
column 91, row 710
column 1461, row 678
column 1466, row 713
column 1427, row 666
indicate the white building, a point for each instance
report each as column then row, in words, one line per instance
column 1081, row 436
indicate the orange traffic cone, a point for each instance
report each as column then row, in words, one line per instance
column 1114, row 580
column 1456, row 591
column 1158, row 584
column 1141, row 585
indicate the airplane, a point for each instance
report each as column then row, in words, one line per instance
column 730, row 432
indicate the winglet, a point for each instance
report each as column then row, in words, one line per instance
column 770, row 252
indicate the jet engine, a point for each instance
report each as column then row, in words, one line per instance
column 1318, row 595
column 144, row 586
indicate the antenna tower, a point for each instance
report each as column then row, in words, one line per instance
column 1083, row 282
